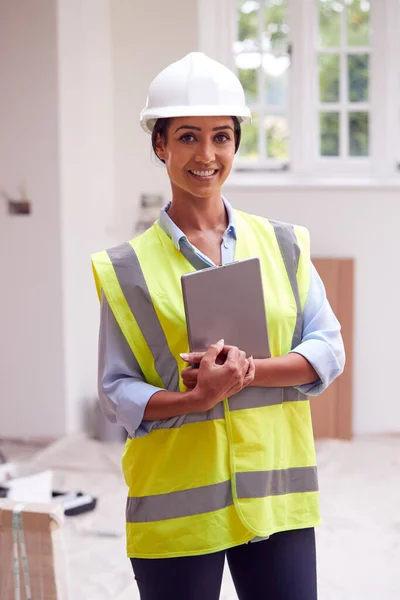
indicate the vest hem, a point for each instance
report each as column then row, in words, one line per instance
column 269, row 532
column 314, row 523
column 192, row 552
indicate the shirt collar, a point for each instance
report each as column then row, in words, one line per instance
column 176, row 234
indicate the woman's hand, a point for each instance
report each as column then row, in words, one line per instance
column 189, row 377
column 223, row 372
column 190, row 374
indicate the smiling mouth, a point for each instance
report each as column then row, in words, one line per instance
column 204, row 175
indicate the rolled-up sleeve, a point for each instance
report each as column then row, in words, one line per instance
column 321, row 343
column 123, row 391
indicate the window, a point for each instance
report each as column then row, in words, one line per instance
column 343, row 55
column 262, row 60
column 321, row 78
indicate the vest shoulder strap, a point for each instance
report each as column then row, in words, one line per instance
column 114, row 271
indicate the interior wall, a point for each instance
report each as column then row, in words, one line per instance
column 31, row 350
column 87, row 185
column 57, row 138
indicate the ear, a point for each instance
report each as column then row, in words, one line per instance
column 160, row 147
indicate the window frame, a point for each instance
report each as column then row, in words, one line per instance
column 342, row 164
column 216, row 35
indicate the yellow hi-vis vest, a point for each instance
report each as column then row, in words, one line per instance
column 204, row 482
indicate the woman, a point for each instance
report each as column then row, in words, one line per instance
column 210, row 477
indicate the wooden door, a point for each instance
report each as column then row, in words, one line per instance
column 332, row 410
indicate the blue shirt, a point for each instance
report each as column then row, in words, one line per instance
column 123, row 391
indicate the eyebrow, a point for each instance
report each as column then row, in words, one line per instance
column 199, row 128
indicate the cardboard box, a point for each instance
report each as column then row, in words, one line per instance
column 26, row 483
column 43, row 533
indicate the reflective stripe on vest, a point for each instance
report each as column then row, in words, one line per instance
column 127, row 269
column 194, row 501
column 291, row 254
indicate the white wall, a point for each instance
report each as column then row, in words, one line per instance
column 31, row 351
column 57, row 135
column 87, row 186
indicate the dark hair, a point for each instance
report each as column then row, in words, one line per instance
column 161, row 129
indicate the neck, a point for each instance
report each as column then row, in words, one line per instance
column 193, row 214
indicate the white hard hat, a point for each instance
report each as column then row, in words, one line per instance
column 195, row 86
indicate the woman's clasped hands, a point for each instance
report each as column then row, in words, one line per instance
column 220, row 372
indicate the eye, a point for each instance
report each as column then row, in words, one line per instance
column 222, row 137
column 187, row 138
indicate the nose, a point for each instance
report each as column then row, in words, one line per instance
column 205, row 152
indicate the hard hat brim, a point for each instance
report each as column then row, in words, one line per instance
column 149, row 117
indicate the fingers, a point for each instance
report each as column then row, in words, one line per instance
column 189, row 373
column 189, row 377
column 243, row 361
column 249, row 377
column 232, row 356
column 193, row 357
column 211, row 355
column 239, row 370
column 197, row 357
column 243, row 369
column 237, row 358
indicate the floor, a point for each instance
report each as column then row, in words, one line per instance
column 358, row 543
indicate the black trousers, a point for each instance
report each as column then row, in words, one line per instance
column 280, row 568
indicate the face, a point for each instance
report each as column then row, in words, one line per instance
column 198, row 153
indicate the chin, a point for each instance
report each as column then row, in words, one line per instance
column 205, row 191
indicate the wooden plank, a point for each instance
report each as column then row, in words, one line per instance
column 332, row 410
column 346, row 318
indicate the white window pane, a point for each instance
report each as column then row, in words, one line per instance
column 276, row 59
column 329, row 23
column 276, row 77
column 329, row 77
column 358, row 134
column 329, row 133
column 277, row 128
column 247, row 21
column 358, row 77
column 247, row 65
column 358, row 24
column 276, row 29
column 249, row 144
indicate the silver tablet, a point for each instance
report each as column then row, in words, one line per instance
column 227, row 302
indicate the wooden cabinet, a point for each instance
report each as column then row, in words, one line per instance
column 332, row 410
